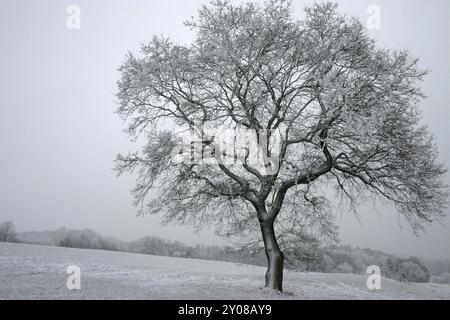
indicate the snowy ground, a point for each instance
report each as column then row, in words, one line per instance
column 37, row 272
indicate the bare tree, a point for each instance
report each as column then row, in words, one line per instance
column 7, row 232
column 326, row 107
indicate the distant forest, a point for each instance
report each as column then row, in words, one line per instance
column 311, row 257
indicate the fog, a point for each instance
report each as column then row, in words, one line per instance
column 59, row 134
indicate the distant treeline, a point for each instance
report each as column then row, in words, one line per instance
column 346, row 259
column 88, row 239
column 309, row 258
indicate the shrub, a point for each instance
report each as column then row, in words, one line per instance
column 407, row 270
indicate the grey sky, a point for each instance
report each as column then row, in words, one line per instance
column 59, row 135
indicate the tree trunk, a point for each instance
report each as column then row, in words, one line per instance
column 275, row 258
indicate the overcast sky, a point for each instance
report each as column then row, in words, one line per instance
column 59, row 133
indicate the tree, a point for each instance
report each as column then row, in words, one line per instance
column 407, row 270
column 318, row 103
column 7, row 232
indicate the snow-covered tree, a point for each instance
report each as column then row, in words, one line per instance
column 7, row 232
column 323, row 105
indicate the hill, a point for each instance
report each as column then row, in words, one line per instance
column 39, row 272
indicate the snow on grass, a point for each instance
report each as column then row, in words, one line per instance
column 38, row 272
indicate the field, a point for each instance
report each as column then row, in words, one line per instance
column 38, row 272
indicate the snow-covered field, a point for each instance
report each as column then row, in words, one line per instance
column 37, row 272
